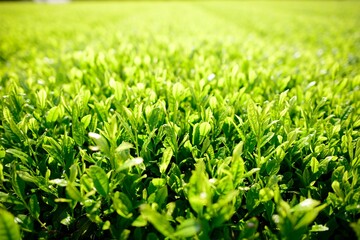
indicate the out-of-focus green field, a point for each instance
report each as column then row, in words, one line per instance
column 304, row 34
column 201, row 120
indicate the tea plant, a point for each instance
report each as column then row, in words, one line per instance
column 199, row 120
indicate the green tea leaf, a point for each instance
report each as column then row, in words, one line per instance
column 41, row 98
column 306, row 205
column 165, row 160
column 272, row 166
column 27, row 177
column 9, row 230
column 155, row 118
column 52, row 114
column 140, row 221
column 19, row 154
column 2, row 152
column 250, row 228
column 18, row 185
column 157, row 220
column 122, row 204
column 266, row 194
column 130, row 163
column 204, row 129
column 282, row 96
column 78, row 130
column 86, row 120
column 73, row 192
column 34, row 206
column 73, row 172
column 187, row 228
column 356, row 227
column 308, row 218
column 1, row 174
column 314, row 163
column 265, row 139
column 319, row 228
column 124, row 146
column 199, row 189
column 100, row 179
column 161, row 196
column 253, row 117
column 237, row 164
column 100, row 141
column 196, row 134
column 336, row 187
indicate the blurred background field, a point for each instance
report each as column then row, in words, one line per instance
column 304, row 32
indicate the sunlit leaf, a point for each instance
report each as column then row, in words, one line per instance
column 73, row 193
column 166, row 158
column 187, row 228
column 157, row 220
column 100, row 179
column 9, row 230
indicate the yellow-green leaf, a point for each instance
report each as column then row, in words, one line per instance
column 100, row 179
column 9, row 230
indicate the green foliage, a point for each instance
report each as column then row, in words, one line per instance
column 180, row 120
column 9, row 230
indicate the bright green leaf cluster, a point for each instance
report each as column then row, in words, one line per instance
column 180, row 120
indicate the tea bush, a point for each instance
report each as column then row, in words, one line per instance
column 174, row 120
